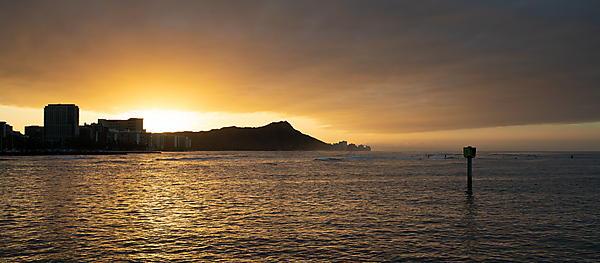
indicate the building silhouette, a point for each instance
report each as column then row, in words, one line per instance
column 35, row 132
column 61, row 122
column 169, row 141
column 131, row 124
column 128, row 133
column 5, row 129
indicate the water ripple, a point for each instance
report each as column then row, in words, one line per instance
column 271, row 206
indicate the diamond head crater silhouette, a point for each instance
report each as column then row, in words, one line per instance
column 276, row 136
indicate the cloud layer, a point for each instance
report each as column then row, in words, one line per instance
column 368, row 66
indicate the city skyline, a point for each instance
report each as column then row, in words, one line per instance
column 396, row 75
column 62, row 133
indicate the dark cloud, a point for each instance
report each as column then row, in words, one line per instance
column 372, row 66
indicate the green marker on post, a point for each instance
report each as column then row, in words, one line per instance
column 469, row 153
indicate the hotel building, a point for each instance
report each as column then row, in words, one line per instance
column 61, row 122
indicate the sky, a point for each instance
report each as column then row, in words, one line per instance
column 396, row 75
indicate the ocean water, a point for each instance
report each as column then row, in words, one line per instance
column 300, row 206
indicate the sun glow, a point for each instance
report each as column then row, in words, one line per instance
column 157, row 120
column 171, row 121
column 539, row 137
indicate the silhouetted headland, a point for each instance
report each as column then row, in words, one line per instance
column 276, row 136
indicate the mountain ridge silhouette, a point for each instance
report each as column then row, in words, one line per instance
column 275, row 136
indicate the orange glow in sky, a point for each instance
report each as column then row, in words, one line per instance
column 394, row 74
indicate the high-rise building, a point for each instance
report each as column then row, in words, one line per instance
column 61, row 121
column 5, row 129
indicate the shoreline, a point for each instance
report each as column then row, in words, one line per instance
column 40, row 153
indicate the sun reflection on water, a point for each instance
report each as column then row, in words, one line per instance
column 275, row 206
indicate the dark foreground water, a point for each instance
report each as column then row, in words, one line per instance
column 300, row 206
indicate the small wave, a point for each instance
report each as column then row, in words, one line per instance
column 329, row 159
column 111, row 161
column 359, row 158
column 441, row 157
column 190, row 159
column 351, row 157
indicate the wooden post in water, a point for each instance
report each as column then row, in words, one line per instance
column 469, row 153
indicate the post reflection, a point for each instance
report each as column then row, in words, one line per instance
column 469, row 220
